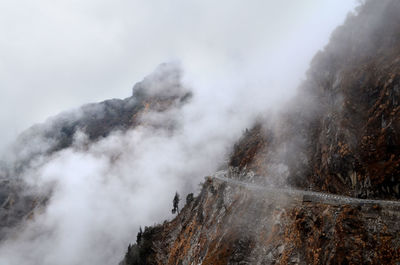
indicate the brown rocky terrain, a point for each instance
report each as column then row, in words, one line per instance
column 340, row 135
column 232, row 225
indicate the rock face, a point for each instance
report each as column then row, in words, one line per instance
column 357, row 79
column 341, row 136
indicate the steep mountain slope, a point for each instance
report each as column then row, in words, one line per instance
column 229, row 224
column 340, row 135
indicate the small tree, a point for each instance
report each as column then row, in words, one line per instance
column 139, row 236
column 175, row 203
column 189, row 198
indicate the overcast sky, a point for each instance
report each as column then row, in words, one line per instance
column 57, row 55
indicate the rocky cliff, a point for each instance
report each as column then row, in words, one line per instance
column 340, row 136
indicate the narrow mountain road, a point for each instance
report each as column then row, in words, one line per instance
column 305, row 195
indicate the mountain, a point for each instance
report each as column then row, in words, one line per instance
column 157, row 93
column 318, row 183
column 339, row 136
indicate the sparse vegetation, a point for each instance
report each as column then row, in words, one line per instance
column 189, row 198
column 175, row 203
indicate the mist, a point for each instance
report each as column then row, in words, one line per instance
column 238, row 60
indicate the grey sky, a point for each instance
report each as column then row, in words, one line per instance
column 56, row 55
